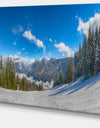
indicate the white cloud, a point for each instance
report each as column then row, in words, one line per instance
column 28, row 35
column 92, row 22
column 39, row 43
column 63, row 48
column 17, row 29
column 50, row 40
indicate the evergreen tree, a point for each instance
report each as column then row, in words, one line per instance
column 96, row 49
column 76, row 63
column 75, row 68
column 7, row 74
column 88, row 51
column 23, row 83
column 84, row 57
column 1, row 72
column 92, row 58
column 69, row 72
column 61, row 77
column 80, row 61
column 1, row 78
column 99, row 51
column 9, row 80
column 13, row 79
column 1, row 63
column 17, row 79
column 56, row 80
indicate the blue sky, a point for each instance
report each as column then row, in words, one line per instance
column 45, row 31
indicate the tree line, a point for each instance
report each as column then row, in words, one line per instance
column 86, row 61
column 9, row 79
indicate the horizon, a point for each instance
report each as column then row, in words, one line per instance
column 28, row 60
column 35, row 32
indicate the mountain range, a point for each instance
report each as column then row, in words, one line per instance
column 44, row 69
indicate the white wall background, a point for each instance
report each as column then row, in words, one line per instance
column 42, row 2
column 14, row 116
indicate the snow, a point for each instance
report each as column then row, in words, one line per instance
column 20, row 75
column 82, row 96
column 41, row 71
column 46, row 85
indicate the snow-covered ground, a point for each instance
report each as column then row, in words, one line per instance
column 83, row 96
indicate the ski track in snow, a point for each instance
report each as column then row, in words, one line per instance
column 82, row 96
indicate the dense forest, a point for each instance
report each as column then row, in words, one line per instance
column 9, row 79
column 86, row 60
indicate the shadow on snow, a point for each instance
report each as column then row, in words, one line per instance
column 75, row 86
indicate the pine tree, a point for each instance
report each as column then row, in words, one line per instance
column 89, row 52
column 80, row 61
column 56, row 80
column 23, row 83
column 1, row 63
column 61, row 77
column 1, row 72
column 96, row 49
column 9, row 80
column 7, row 74
column 76, row 63
column 84, row 57
column 99, row 51
column 75, row 68
column 13, row 79
column 69, row 72
column 17, row 79
column 92, row 58
column 84, row 62
column 1, row 78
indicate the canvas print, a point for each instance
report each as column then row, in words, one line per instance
column 50, row 56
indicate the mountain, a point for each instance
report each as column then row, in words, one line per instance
column 46, row 70
column 20, row 65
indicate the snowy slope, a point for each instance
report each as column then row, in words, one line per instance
column 81, row 96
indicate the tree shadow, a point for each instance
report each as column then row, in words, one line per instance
column 80, row 84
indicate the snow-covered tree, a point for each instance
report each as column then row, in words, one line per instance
column 69, row 72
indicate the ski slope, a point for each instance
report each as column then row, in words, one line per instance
column 82, row 96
